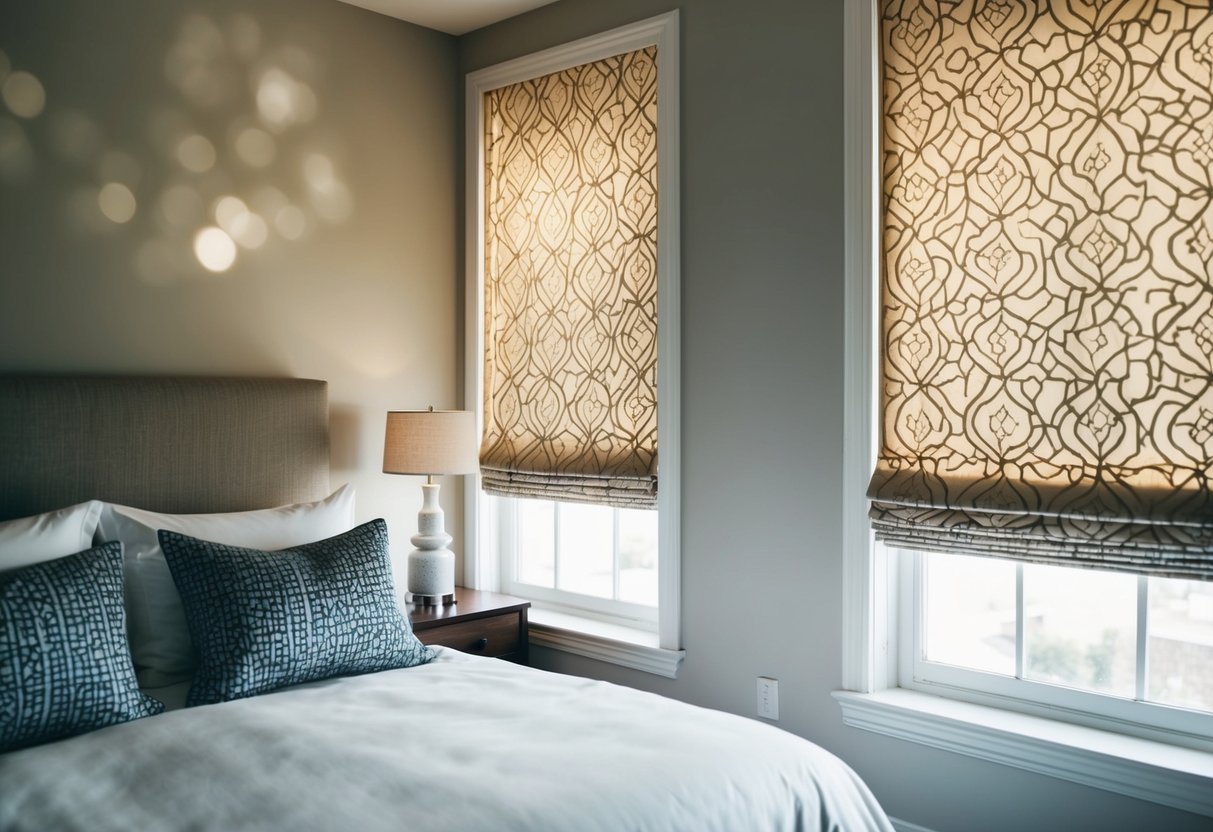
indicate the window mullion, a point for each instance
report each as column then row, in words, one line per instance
column 1143, row 624
column 1020, row 646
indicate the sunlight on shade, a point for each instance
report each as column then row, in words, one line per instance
column 73, row 135
column 117, row 166
column 255, row 147
column 214, row 249
column 23, row 94
column 196, row 153
column 16, row 155
column 283, row 101
column 181, row 206
column 116, row 202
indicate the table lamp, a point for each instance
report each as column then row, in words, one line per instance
column 430, row 442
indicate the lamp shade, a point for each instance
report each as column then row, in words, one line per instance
column 430, row 442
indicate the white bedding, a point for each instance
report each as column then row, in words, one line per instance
column 463, row 743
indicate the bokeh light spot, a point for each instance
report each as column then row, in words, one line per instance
column 290, row 222
column 23, row 94
column 330, row 197
column 16, row 154
column 181, row 206
column 282, row 100
column 116, row 202
column 227, row 209
column 196, row 153
column 244, row 36
column 214, row 249
column 255, row 147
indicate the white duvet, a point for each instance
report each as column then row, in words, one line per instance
column 463, row 743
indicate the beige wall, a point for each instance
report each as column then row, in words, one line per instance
column 762, row 335
column 366, row 298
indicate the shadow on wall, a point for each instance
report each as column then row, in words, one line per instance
column 242, row 116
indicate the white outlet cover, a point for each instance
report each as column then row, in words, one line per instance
column 768, row 697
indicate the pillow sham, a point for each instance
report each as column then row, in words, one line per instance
column 266, row 620
column 46, row 536
column 65, row 667
column 160, row 642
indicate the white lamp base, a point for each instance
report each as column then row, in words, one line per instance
column 431, row 566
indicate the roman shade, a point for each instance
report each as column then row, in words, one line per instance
column 1047, row 314
column 570, row 286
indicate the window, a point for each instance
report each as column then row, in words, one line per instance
column 594, row 558
column 573, row 340
column 1131, row 648
column 982, row 656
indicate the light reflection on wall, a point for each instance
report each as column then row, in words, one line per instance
column 238, row 172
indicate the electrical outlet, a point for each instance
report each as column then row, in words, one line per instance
column 768, row 697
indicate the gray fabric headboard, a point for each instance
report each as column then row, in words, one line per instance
column 181, row 444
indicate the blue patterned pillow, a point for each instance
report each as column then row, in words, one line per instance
column 65, row 665
column 265, row 620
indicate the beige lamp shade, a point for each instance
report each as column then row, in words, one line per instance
column 430, row 442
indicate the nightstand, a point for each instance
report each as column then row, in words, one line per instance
column 485, row 623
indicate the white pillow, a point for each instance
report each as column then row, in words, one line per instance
column 160, row 640
column 56, row 534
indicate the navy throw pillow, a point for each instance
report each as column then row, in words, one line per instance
column 65, row 664
column 265, row 620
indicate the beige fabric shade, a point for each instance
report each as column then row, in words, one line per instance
column 1047, row 313
column 430, row 442
column 570, row 372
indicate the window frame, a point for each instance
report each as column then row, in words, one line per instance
column 482, row 568
column 1039, row 737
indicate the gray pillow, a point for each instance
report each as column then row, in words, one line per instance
column 65, row 664
column 266, row 620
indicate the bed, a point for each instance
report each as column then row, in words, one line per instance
column 453, row 742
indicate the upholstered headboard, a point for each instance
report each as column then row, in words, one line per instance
column 179, row 444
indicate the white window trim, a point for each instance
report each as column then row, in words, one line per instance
column 481, row 570
column 1138, row 767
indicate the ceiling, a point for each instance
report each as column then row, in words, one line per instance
column 451, row 16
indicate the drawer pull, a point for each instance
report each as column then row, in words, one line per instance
column 481, row 644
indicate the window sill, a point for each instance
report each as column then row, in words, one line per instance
column 613, row 643
column 1146, row 769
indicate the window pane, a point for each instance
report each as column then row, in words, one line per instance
column 586, row 548
column 1080, row 628
column 638, row 556
column 536, row 559
column 1181, row 643
column 970, row 612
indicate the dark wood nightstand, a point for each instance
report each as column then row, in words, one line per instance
column 485, row 623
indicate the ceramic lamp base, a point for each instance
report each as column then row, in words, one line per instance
column 431, row 565
column 432, row 576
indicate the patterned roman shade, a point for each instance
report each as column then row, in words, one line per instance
column 570, row 368
column 1047, row 313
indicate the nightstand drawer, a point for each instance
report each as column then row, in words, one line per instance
column 497, row 635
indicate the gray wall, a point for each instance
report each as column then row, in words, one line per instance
column 762, row 334
column 366, row 298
